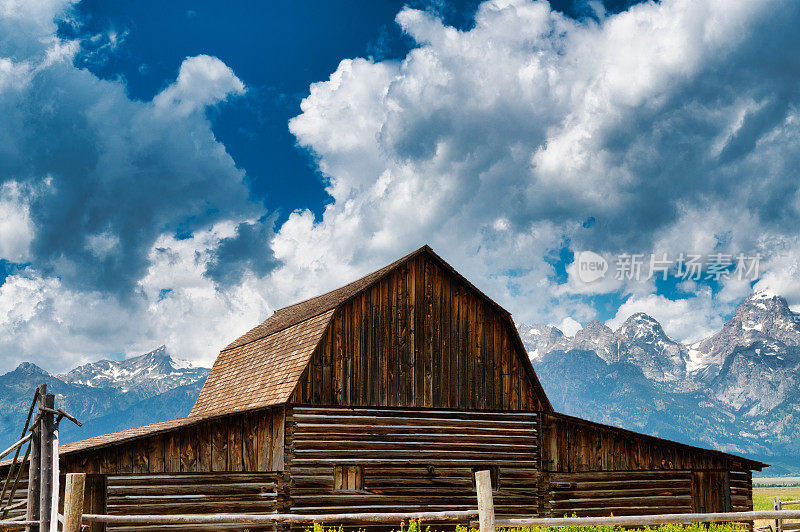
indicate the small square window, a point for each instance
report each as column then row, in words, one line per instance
column 348, row 478
column 494, row 472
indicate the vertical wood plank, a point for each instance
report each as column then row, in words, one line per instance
column 463, row 348
column 383, row 344
column 446, row 322
column 250, row 441
column 405, row 318
column 412, row 347
column 391, row 344
column 278, row 422
column 356, row 379
column 204, row 447
column 436, row 353
column 515, row 380
column 155, row 451
column 140, row 458
column 338, row 358
column 375, row 378
column 264, row 436
column 125, row 458
column 427, row 384
column 235, row 458
column 472, row 352
column 497, row 336
column 219, row 445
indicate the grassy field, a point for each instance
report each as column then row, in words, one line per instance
column 763, row 497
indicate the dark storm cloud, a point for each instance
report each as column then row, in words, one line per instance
column 111, row 174
column 249, row 251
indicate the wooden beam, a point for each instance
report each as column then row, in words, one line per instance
column 396, row 517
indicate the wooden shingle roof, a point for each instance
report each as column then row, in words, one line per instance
column 261, row 372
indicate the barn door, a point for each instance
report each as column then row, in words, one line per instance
column 711, row 491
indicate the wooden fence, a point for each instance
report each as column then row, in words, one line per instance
column 780, row 526
column 74, row 491
column 40, row 440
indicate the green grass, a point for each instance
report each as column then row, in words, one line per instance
column 763, row 497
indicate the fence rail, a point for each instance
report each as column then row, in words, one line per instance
column 780, row 525
column 269, row 519
column 484, row 513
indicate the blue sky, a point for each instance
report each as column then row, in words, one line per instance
column 174, row 172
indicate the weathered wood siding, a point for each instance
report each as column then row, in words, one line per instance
column 247, row 442
column 620, row 493
column 575, row 445
column 645, row 492
column 410, row 459
column 164, row 494
column 741, row 489
column 421, row 337
column 20, row 496
column 594, row 469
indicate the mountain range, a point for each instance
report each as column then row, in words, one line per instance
column 737, row 390
column 106, row 395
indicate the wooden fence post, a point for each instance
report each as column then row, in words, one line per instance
column 73, row 501
column 34, row 473
column 483, row 484
column 46, row 483
column 778, row 522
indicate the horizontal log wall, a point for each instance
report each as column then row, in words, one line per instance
column 421, row 337
column 741, row 486
column 237, row 443
column 20, row 497
column 162, row 494
column 412, row 460
column 573, row 445
column 620, row 493
column 600, row 493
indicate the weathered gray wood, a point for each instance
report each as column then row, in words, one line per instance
column 16, row 446
column 395, row 517
column 8, row 524
column 73, row 501
column 34, row 478
column 47, row 424
column 483, row 484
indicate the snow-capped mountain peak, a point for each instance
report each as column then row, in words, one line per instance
column 153, row 372
column 541, row 339
column 762, row 317
column 642, row 327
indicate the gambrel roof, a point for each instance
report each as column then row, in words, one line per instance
column 262, row 367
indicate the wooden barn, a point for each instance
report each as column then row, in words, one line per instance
column 386, row 395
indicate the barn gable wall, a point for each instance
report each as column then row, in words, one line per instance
column 421, row 337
